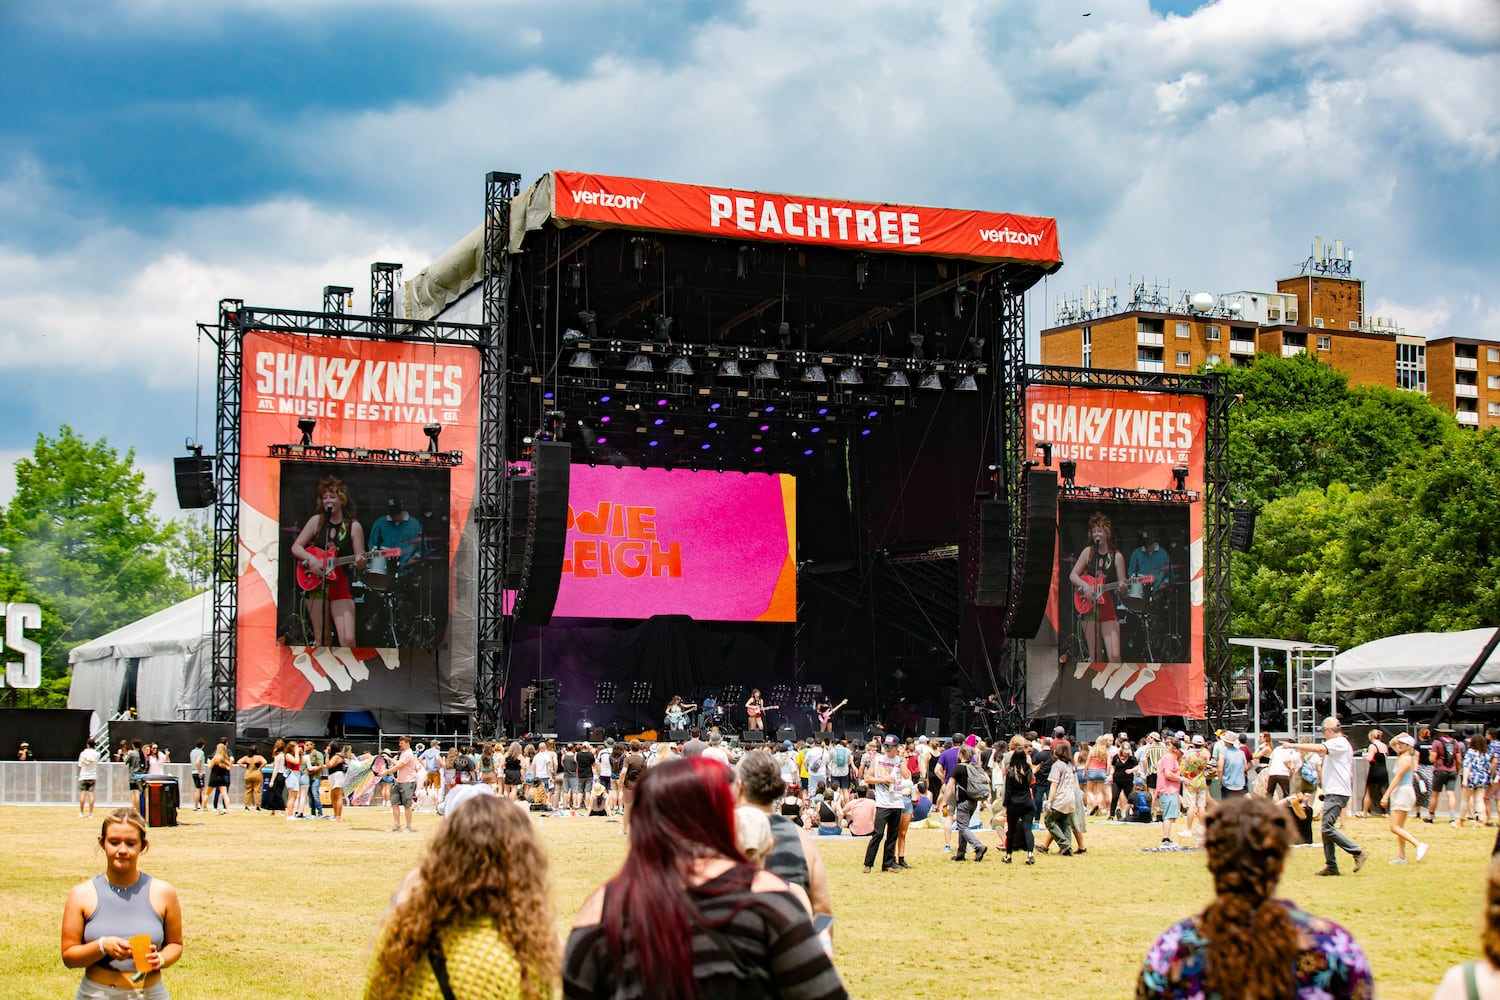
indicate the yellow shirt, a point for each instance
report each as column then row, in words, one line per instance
column 481, row 966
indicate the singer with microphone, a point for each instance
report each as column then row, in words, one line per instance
column 1098, row 571
column 331, row 540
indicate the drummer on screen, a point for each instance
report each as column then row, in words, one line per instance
column 1097, row 573
column 1150, row 559
column 398, row 529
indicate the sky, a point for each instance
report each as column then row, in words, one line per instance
column 159, row 155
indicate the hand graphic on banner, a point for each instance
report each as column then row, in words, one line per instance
column 327, row 667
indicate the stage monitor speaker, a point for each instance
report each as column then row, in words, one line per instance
column 256, row 733
column 854, row 736
column 1041, row 553
column 549, row 533
column 929, row 727
column 518, row 502
column 678, row 736
column 993, row 586
column 195, row 481
column 753, row 736
column 786, row 733
column 1241, row 528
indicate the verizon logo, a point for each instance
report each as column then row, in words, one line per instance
column 1010, row 236
column 606, row 200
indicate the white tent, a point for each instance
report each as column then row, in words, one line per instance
column 1414, row 662
column 171, row 653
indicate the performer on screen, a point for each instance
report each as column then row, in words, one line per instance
column 1098, row 571
column 332, row 533
column 756, row 709
column 398, row 529
column 1150, row 559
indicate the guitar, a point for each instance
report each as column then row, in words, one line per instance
column 754, row 711
column 329, row 562
column 1086, row 597
column 677, row 717
column 823, row 717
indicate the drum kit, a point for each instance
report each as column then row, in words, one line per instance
column 1149, row 618
column 402, row 592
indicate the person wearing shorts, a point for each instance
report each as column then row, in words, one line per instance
column 1168, row 786
column 404, row 791
column 88, row 774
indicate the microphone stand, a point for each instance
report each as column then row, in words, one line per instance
column 328, row 545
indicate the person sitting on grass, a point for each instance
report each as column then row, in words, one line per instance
column 1247, row 944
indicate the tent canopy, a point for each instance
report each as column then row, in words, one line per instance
column 160, row 663
column 1413, row 662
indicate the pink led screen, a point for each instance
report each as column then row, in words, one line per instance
column 714, row 546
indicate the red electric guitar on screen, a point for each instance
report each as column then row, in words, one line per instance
column 1086, row 597
column 328, row 563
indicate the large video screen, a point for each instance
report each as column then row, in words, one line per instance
column 1124, row 627
column 350, row 590
column 710, row 545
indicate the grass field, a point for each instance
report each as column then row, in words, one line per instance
column 287, row 910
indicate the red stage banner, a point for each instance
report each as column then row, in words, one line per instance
column 1137, row 649
column 634, row 203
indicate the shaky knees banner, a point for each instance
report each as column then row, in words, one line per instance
column 1123, row 634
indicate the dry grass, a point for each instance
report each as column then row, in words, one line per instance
column 282, row 909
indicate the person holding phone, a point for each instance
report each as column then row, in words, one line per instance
column 122, row 927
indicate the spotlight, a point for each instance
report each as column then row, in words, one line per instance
column 896, row 380
column 432, row 431
column 730, row 369
column 861, row 270
column 590, row 321
column 664, row 328
column 966, row 384
column 571, row 336
column 1180, row 474
column 582, row 359
column 916, row 344
column 575, row 274
column 640, row 363
column 742, row 264
column 930, row 381
column 784, row 334
column 766, row 369
column 850, row 376
column 680, row 366
column 814, row 373
column 306, row 425
column 1045, row 447
column 1069, row 470
column 638, row 250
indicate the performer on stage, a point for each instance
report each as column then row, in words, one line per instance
column 756, row 709
column 1150, row 559
column 1099, row 570
column 826, row 712
column 335, row 531
column 677, row 712
column 398, row 529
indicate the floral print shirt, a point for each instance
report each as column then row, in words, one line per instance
column 1330, row 966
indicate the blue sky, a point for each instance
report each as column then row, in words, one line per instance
column 157, row 155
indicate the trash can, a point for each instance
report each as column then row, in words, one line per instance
column 159, row 800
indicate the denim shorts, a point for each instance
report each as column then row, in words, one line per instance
column 1095, row 776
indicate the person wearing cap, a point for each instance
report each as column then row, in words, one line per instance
column 1446, row 755
column 397, row 529
column 943, row 770
column 1168, row 788
column 1192, row 798
column 715, row 749
column 23, row 752
column 1400, row 797
column 1338, row 785
column 884, row 776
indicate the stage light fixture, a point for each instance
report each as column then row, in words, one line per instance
column 730, row 369
column 1180, row 474
column 930, row 381
column 640, row 363
column 850, row 376
column 966, row 384
column 814, row 373
column 916, row 340
column 589, row 320
column 1069, row 470
column 766, row 369
column 582, row 359
column 679, row 366
column 306, row 426
column 571, row 336
column 432, row 431
column 784, row 334
column 1045, row 447
column 896, row 380
column 638, row 252
column 861, row 270
column 664, row 328
column 742, row 263
column 575, row 274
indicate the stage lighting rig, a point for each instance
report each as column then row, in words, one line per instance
column 931, row 381
column 1045, row 447
column 1068, row 468
column 306, row 425
column 916, row 340
column 432, row 431
column 1179, row 475
column 966, row 384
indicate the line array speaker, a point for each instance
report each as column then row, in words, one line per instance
column 1241, row 528
column 1041, row 553
column 992, row 589
column 518, row 501
column 195, row 481
column 548, row 534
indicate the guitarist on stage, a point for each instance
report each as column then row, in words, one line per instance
column 1098, row 571
column 336, row 533
column 756, row 709
column 826, row 711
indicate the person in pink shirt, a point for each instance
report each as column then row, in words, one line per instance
column 404, row 791
column 1168, row 788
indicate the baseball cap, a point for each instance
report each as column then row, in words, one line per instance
column 890, row 741
column 1404, row 738
column 923, row 739
column 1198, row 739
column 786, row 744
column 1153, row 736
column 1059, row 731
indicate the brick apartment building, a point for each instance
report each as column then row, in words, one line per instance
column 1320, row 311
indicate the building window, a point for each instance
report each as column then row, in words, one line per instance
column 1212, row 333
column 1088, row 347
column 1493, row 382
column 1495, row 409
column 1411, row 367
column 1184, row 359
column 1184, row 331
column 1492, row 354
column 1214, row 360
column 1325, row 343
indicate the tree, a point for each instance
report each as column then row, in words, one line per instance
column 79, row 540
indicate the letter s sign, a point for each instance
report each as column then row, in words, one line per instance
column 27, row 672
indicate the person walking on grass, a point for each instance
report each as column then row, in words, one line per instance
column 404, row 790
column 88, row 776
column 1400, row 797
column 970, row 788
column 1338, row 785
column 1169, row 788
column 884, row 777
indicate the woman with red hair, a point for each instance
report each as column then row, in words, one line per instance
column 687, row 916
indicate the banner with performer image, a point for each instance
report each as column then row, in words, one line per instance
column 352, row 592
column 1124, row 625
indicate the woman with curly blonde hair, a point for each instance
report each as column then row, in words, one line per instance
column 474, row 915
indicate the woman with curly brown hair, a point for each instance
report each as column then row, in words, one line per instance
column 1479, row 979
column 333, row 532
column 1246, row 944
column 474, row 916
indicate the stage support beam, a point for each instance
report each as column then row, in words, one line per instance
column 223, row 702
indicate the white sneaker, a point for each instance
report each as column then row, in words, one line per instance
column 1421, row 851
column 1398, row 861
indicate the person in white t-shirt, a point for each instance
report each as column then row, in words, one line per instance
column 88, row 774
column 545, row 764
column 1338, row 785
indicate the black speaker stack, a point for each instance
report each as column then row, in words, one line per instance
column 548, row 534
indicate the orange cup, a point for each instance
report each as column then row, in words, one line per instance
column 140, row 950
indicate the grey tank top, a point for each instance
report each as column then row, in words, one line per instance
column 123, row 913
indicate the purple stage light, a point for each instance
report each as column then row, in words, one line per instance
column 822, row 411
column 815, row 430
column 661, row 402
column 865, row 432
column 706, row 446
column 713, row 424
column 603, row 399
column 770, row 409
column 808, row 452
column 713, row 406
column 758, row 449
column 602, row 440
column 546, row 395
column 658, row 421
column 765, row 427
column 874, row 414
column 604, row 419
column 653, row 444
